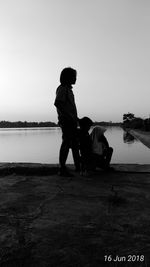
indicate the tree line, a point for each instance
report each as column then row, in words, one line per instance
column 133, row 122
column 25, row 124
column 107, row 123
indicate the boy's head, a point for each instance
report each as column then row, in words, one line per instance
column 85, row 123
column 68, row 76
column 97, row 132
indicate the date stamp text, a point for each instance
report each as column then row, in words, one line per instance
column 129, row 258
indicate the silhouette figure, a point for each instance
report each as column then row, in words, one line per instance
column 85, row 145
column 67, row 119
column 102, row 152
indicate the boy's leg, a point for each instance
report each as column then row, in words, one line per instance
column 98, row 160
column 64, row 149
column 108, row 156
column 75, row 150
column 63, row 154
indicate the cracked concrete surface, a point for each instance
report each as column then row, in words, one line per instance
column 47, row 220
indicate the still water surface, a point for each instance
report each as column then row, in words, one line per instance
column 41, row 145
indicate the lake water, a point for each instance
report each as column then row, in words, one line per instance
column 41, row 145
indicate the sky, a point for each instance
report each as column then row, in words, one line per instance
column 106, row 41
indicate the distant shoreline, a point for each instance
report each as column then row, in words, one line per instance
column 25, row 124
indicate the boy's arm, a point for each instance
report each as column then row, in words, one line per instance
column 60, row 97
column 60, row 103
column 62, row 107
column 104, row 140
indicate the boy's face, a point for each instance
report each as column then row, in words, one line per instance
column 73, row 81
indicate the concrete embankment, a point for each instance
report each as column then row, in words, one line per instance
column 144, row 137
column 52, row 221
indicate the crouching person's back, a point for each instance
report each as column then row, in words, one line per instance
column 102, row 152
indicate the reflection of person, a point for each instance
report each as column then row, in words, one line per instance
column 102, row 152
column 85, row 144
column 128, row 138
column 67, row 119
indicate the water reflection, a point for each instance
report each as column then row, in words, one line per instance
column 128, row 138
column 42, row 145
column 126, row 152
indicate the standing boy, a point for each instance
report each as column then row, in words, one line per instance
column 67, row 119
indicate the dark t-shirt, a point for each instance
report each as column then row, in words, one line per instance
column 65, row 104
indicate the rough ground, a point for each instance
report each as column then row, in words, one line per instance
column 47, row 220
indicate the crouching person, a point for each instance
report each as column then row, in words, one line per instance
column 101, row 151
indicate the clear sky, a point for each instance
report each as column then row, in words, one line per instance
column 106, row 41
